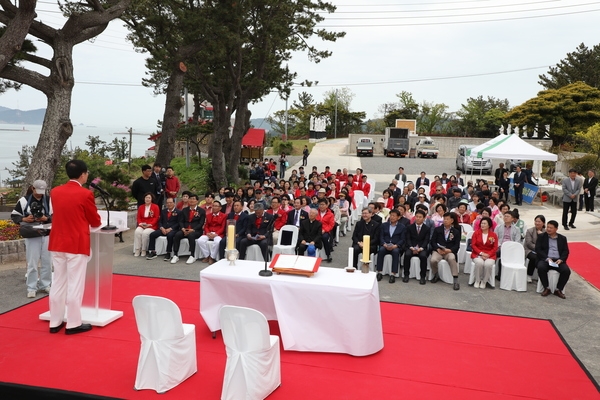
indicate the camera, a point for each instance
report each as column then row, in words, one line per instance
column 37, row 210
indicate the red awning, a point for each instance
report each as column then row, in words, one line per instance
column 254, row 138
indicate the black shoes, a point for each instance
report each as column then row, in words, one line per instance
column 566, row 228
column 329, row 260
column 422, row 281
column 405, row 279
column 392, row 278
column 435, row 278
column 572, row 226
column 456, row 286
column 57, row 329
column 80, row 329
column 151, row 255
column 379, row 276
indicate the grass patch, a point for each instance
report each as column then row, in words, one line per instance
column 298, row 146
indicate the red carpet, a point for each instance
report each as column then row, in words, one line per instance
column 429, row 353
column 583, row 260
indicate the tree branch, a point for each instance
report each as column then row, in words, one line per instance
column 16, row 31
column 26, row 77
column 78, row 23
column 37, row 60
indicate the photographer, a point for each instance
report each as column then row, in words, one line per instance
column 31, row 210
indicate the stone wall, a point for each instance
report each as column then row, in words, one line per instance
column 12, row 251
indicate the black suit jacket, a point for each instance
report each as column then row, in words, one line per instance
column 414, row 239
column 591, row 185
column 421, row 182
column 520, row 179
column 197, row 222
column 291, row 213
column 371, row 229
column 241, row 224
column 310, row 232
column 166, row 222
column 542, row 246
column 438, row 238
column 262, row 229
column 397, row 238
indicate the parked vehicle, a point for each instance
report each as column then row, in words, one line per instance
column 426, row 147
column 466, row 163
column 395, row 142
column 364, row 146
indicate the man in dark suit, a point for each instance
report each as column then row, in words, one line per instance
column 422, row 180
column 589, row 188
column 257, row 231
column 297, row 215
column 417, row 240
column 552, row 256
column 168, row 225
column 519, row 180
column 191, row 224
column 241, row 220
column 160, row 181
column 445, row 243
column 366, row 226
column 309, row 233
column 499, row 173
column 391, row 241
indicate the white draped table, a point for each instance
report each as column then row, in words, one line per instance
column 333, row 311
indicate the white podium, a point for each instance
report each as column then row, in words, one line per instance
column 96, row 304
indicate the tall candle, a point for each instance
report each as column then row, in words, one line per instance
column 366, row 248
column 351, row 257
column 230, row 237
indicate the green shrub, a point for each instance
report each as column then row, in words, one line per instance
column 195, row 178
column 280, row 146
column 585, row 163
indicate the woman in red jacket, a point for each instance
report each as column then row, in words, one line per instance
column 484, row 244
column 147, row 222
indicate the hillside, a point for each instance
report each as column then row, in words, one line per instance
column 30, row 117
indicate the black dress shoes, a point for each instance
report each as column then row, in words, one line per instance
column 435, row 278
column 566, row 228
column 392, row 278
column 80, row 329
column 546, row 292
column 57, row 329
column 329, row 260
column 422, row 281
column 572, row 226
column 456, row 286
column 405, row 279
column 379, row 276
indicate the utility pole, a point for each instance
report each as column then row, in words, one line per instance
column 286, row 118
column 335, row 117
column 130, row 143
column 186, row 115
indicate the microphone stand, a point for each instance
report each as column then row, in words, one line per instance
column 269, row 238
column 108, row 226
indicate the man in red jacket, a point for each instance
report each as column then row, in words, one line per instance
column 326, row 218
column 214, row 230
column 280, row 217
column 74, row 212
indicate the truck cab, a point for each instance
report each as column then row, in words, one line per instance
column 396, row 142
column 426, row 147
column 364, row 147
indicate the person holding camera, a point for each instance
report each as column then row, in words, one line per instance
column 31, row 211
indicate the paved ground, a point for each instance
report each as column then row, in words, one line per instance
column 576, row 317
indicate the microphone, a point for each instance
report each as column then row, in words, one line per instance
column 98, row 188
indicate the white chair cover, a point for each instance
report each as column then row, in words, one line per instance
column 552, row 281
column 514, row 272
column 372, row 183
column 466, row 228
column 254, row 253
column 161, row 246
column 445, row 272
column 491, row 281
column 286, row 248
column 168, row 350
column 415, row 268
column 373, row 264
column 462, row 251
column 359, row 199
column 253, row 369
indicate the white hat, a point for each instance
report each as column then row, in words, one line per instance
column 40, row 186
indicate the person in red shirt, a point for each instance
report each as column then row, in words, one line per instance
column 214, row 231
column 280, row 217
column 327, row 172
column 364, row 186
column 147, row 222
column 484, row 243
column 327, row 219
column 172, row 184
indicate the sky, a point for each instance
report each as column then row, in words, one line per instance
column 441, row 51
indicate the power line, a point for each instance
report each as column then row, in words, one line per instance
column 438, row 9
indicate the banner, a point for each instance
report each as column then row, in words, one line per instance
column 529, row 191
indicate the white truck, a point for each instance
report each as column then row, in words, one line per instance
column 364, row 147
column 395, row 142
column 426, row 147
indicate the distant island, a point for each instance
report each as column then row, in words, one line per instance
column 30, row 117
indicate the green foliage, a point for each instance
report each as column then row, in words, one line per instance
column 22, row 165
column 196, row 133
column 432, row 118
column 582, row 65
column 591, row 139
column 481, row 117
column 585, row 163
column 196, row 178
column 570, row 109
column 279, row 146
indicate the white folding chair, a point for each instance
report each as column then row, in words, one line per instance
column 444, row 272
column 286, row 248
column 373, row 264
column 168, row 350
column 254, row 253
column 359, row 199
column 514, row 272
column 462, row 251
column 552, row 281
column 253, row 368
column 372, row 183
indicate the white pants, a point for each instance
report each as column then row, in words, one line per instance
column 67, row 288
column 36, row 251
column 206, row 250
column 141, row 238
column 483, row 269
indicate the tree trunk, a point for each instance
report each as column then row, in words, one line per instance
column 173, row 105
column 57, row 127
column 16, row 31
column 221, row 124
column 242, row 121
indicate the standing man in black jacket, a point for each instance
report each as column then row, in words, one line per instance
column 589, row 188
column 552, row 251
column 144, row 184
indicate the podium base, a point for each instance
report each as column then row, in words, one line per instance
column 91, row 316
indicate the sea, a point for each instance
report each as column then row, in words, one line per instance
column 14, row 137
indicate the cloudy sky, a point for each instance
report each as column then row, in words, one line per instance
column 441, row 51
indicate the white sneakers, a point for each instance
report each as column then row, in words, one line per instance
column 529, row 279
column 479, row 285
column 174, row 260
column 191, row 260
column 30, row 294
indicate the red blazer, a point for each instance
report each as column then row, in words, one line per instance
column 74, row 212
column 490, row 246
column 153, row 215
column 280, row 220
column 327, row 221
column 215, row 224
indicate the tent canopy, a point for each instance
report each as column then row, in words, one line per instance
column 254, row 138
column 511, row 147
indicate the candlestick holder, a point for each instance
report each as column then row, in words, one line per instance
column 232, row 255
column 364, row 267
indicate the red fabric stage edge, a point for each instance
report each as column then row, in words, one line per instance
column 580, row 254
column 428, row 353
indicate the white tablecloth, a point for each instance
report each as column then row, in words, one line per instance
column 333, row 311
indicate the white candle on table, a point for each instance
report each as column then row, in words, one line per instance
column 350, row 257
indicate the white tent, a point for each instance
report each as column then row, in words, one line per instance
column 511, row 147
